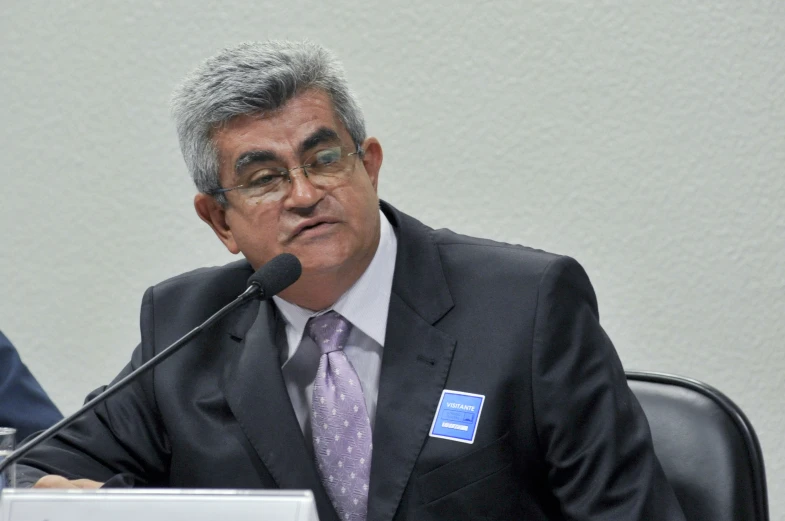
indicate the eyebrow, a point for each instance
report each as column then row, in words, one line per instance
column 318, row 137
column 321, row 135
column 254, row 156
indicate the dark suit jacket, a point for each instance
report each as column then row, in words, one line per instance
column 560, row 437
column 23, row 403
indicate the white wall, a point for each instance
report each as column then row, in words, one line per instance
column 647, row 139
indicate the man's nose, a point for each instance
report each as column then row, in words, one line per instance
column 302, row 192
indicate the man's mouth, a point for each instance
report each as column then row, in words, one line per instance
column 312, row 227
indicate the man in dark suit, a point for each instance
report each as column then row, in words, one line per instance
column 23, row 403
column 409, row 374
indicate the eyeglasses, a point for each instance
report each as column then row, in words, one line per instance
column 325, row 168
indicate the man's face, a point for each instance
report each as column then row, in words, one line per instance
column 328, row 229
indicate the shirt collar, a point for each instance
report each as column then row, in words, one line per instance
column 365, row 304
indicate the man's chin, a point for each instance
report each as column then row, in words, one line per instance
column 314, row 264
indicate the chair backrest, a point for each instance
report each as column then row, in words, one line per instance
column 707, row 447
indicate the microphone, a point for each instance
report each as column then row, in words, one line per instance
column 278, row 274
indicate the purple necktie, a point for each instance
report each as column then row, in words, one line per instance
column 341, row 428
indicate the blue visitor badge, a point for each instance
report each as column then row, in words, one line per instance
column 457, row 416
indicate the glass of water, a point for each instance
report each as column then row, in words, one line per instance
column 7, row 444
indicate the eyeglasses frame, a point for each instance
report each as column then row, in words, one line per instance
column 359, row 152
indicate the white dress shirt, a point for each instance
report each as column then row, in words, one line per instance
column 365, row 305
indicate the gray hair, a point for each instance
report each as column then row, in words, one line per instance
column 252, row 78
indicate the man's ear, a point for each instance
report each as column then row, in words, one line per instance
column 372, row 159
column 214, row 215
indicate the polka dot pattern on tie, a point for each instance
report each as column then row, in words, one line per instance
column 341, row 426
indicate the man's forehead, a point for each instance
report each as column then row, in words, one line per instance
column 287, row 126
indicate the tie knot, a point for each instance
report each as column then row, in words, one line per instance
column 329, row 331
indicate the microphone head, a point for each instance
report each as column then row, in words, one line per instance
column 278, row 274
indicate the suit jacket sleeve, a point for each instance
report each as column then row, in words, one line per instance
column 123, row 435
column 595, row 437
column 23, row 403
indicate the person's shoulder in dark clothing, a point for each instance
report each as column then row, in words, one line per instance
column 23, row 403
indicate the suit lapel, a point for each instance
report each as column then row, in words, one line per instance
column 256, row 394
column 415, row 364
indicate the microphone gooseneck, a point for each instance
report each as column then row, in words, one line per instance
column 275, row 276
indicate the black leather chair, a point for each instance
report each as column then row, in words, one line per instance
column 707, row 447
